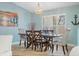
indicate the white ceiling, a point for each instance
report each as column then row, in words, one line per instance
column 30, row 6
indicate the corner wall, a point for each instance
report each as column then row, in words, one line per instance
column 23, row 20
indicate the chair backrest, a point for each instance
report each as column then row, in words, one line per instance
column 29, row 34
column 47, row 31
column 37, row 34
column 61, row 30
column 33, row 34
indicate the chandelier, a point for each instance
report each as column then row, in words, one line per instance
column 38, row 10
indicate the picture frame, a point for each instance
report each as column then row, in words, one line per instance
column 8, row 18
column 61, row 20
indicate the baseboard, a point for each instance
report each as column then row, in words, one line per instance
column 15, row 43
column 72, row 45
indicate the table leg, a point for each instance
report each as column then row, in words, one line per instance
column 25, row 43
column 63, row 50
column 66, row 47
column 20, row 42
column 52, row 48
column 57, row 47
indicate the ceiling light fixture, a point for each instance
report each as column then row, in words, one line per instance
column 38, row 10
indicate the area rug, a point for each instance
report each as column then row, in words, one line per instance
column 21, row 51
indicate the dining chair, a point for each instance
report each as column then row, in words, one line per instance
column 30, row 38
column 22, row 35
column 47, row 36
column 61, row 40
column 40, row 41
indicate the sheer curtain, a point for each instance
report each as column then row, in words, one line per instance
column 47, row 22
column 50, row 22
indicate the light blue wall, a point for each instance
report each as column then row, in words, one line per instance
column 23, row 20
column 37, row 21
column 78, row 36
column 69, row 12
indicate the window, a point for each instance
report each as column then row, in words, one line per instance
column 53, row 22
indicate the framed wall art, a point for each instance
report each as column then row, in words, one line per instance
column 8, row 18
column 61, row 20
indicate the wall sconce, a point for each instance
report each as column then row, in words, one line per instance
column 75, row 22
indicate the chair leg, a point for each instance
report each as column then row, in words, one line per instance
column 25, row 43
column 52, row 48
column 41, row 46
column 35, row 47
column 63, row 50
column 20, row 43
column 32, row 46
column 57, row 47
column 66, row 47
column 46, row 44
column 28, row 45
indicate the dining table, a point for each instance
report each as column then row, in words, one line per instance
column 48, row 36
